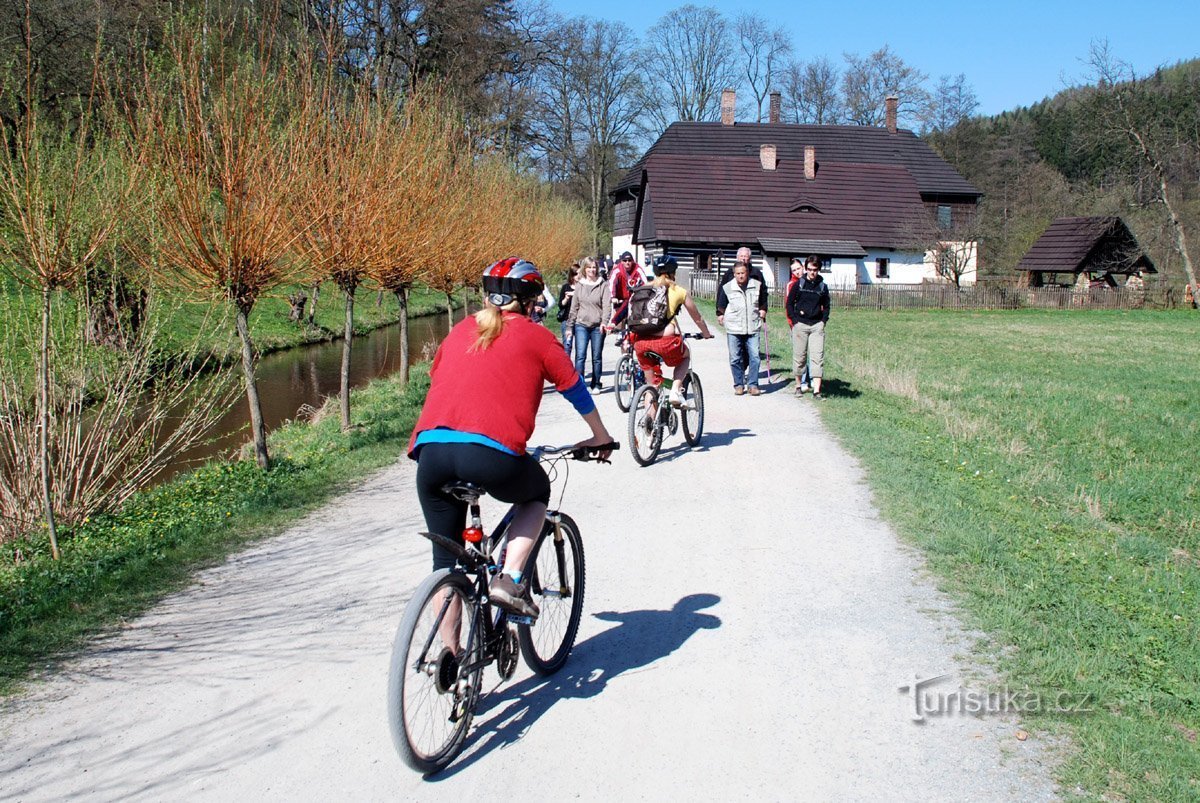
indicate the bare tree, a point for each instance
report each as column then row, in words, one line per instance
column 690, row 56
column 869, row 80
column 763, row 48
column 609, row 86
column 810, row 91
column 1161, row 132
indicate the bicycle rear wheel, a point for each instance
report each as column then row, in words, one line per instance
column 623, row 381
column 556, row 583
column 430, row 699
column 644, row 432
column 693, row 411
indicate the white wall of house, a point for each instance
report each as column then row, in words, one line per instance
column 965, row 256
column 623, row 243
column 903, row 267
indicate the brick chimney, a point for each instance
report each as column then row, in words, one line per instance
column 776, row 104
column 728, row 106
column 766, row 156
column 890, row 103
column 810, row 162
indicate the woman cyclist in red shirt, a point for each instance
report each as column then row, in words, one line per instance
column 486, row 385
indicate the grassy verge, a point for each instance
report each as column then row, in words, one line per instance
column 1045, row 463
column 115, row 566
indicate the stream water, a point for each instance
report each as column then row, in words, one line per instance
column 307, row 375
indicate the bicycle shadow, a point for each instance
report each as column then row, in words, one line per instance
column 641, row 638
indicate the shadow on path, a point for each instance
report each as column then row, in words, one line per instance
column 641, row 638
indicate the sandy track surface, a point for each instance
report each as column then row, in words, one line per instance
column 749, row 622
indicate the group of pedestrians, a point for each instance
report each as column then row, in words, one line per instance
column 590, row 306
column 742, row 310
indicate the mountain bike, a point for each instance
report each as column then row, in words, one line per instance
column 451, row 632
column 650, row 420
column 628, row 375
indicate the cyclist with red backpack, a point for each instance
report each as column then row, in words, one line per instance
column 652, row 326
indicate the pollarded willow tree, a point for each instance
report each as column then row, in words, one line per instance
column 420, row 199
column 63, row 193
column 221, row 130
column 345, row 216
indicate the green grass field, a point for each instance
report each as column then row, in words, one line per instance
column 1045, row 462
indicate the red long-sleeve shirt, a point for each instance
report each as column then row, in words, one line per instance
column 495, row 391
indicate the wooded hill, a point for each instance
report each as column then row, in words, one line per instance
column 1112, row 148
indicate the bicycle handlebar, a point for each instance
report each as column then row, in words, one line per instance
column 585, row 454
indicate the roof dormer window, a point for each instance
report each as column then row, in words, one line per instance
column 805, row 206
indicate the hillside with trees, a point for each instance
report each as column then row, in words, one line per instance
column 1124, row 145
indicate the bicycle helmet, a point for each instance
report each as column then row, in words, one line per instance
column 512, row 278
column 665, row 264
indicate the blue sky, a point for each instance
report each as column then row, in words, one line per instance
column 1013, row 53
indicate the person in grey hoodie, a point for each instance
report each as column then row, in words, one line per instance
column 591, row 308
column 741, row 308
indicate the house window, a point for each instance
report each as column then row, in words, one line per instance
column 826, row 265
column 881, row 268
column 703, row 261
column 944, row 217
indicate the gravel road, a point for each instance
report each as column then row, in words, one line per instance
column 749, row 624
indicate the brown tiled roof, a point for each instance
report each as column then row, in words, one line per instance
column 834, row 143
column 795, row 247
column 1072, row 244
column 732, row 199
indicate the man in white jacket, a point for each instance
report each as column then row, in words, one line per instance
column 741, row 308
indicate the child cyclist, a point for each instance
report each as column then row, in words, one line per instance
column 668, row 343
column 485, row 388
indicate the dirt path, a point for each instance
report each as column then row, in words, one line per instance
column 748, row 640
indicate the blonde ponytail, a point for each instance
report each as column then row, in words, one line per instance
column 489, row 323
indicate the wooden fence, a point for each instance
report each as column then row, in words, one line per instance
column 703, row 284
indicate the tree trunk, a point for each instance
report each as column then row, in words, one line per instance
column 256, row 418
column 297, row 300
column 44, row 423
column 402, row 297
column 312, row 311
column 1180, row 238
column 347, row 342
column 449, row 313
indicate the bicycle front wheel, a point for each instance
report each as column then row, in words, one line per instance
column 623, row 381
column 431, row 700
column 693, row 410
column 556, row 583
column 644, row 432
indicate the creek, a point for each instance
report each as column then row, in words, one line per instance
column 307, row 375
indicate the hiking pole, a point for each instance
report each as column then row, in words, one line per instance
column 767, row 340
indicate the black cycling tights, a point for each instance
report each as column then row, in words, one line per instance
column 504, row 476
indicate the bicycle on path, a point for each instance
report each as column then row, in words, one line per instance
column 628, row 376
column 436, row 676
column 651, row 418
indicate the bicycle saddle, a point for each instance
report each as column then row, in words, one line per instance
column 464, row 491
column 654, row 355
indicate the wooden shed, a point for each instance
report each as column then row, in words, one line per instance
column 1077, row 251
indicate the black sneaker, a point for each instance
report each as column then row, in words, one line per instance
column 506, row 594
column 817, row 396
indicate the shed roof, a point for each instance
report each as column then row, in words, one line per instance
column 730, row 199
column 794, row 247
column 1075, row 244
column 834, row 143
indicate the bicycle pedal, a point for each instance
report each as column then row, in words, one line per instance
column 518, row 619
